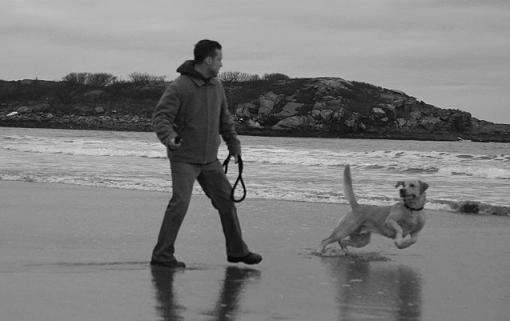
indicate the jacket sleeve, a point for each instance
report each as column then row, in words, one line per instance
column 227, row 129
column 163, row 117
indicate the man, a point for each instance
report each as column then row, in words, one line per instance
column 189, row 119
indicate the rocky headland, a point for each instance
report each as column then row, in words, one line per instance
column 312, row 107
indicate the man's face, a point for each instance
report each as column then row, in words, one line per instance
column 215, row 63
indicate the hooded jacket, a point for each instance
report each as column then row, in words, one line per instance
column 195, row 109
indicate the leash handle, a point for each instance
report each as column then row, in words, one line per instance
column 238, row 180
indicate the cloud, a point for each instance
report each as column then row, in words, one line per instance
column 409, row 45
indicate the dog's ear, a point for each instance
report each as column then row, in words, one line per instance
column 400, row 183
column 423, row 187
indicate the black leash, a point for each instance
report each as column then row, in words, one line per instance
column 239, row 178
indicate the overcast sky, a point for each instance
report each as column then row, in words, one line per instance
column 452, row 53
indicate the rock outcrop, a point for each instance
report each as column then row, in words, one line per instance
column 321, row 107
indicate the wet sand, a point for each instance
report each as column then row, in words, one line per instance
column 81, row 253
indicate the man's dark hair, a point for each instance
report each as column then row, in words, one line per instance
column 205, row 48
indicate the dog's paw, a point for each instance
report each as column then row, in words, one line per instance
column 401, row 244
column 334, row 252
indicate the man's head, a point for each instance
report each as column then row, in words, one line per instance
column 207, row 57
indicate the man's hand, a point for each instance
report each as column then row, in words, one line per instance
column 235, row 157
column 175, row 143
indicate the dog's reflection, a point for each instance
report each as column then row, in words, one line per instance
column 229, row 296
column 375, row 289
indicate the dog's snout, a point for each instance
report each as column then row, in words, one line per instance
column 403, row 192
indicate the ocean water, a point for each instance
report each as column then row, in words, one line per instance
column 295, row 169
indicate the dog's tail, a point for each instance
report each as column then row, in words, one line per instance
column 348, row 191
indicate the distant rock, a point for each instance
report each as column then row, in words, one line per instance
column 324, row 107
column 267, row 103
column 40, row 107
column 245, row 110
column 99, row 110
column 253, row 124
column 23, row 110
column 294, row 122
column 290, row 109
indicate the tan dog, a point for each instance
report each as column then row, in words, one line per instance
column 401, row 221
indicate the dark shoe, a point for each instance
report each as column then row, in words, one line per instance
column 251, row 258
column 171, row 265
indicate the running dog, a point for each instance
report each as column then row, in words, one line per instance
column 401, row 221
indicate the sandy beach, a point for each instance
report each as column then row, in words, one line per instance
column 81, row 253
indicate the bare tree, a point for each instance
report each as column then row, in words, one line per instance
column 145, row 78
column 236, row 76
column 275, row 76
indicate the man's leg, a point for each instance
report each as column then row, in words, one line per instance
column 217, row 187
column 183, row 177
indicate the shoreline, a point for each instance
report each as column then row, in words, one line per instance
column 463, row 208
column 145, row 126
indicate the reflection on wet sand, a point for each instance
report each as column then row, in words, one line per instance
column 367, row 290
column 229, row 296
column 168, row 307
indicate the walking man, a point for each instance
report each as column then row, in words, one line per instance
column 189, row 118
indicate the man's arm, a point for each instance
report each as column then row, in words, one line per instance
column 227, row 129
column 163, row 117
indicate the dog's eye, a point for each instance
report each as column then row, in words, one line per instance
column 412, row 185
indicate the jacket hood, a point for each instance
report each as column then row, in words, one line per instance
column 188, row 69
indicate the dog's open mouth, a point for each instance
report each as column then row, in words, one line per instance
column 405, row 196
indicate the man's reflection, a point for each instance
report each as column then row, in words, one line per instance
column 167, row 306
column 229, row 297
column 375, row 289
column 234, row 282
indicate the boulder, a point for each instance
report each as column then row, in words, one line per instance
column 335, row 104
column 430, row 122
column 253, row 124
column 320, row 105
column 460, row 120
column 267, row 103
column 40, row 107
column 99, row 110
column 378, row 111
column 290, row 109
column 415, row 115
column 326, row 115
column 331, row 86
column 401, row 122
column 244, row 110
column 293, row 122
column 338, row 115
column 316, row 114
column 23, row 110
column 353, row 122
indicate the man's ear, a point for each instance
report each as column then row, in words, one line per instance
column 400, row 183
column 423, row 187
column 208, row 60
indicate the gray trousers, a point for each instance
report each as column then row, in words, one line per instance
column 216, row 186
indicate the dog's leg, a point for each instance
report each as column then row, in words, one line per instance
column 347, row 225
column 355, row 240
column 398, row 231
column 407, row 242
